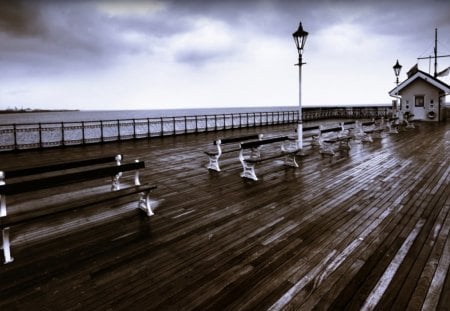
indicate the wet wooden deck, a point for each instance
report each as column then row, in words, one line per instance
column 370, row 231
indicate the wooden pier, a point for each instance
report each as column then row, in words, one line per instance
column 369, row 231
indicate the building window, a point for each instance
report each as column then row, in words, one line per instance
column 420, row 100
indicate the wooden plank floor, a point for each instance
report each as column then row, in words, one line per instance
column 370, row 231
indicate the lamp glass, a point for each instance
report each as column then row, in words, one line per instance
column 300, row 36
column 397, row 68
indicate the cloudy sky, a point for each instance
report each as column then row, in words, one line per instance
column 152, row 54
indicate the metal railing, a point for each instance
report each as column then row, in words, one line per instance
column 42, row 135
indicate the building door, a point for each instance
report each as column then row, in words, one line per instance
column 419, row 107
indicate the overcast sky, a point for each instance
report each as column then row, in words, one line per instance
column 190, row 54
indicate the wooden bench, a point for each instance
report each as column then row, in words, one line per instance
column 408, row 119
column 392, row 125
column 287, row 148
column 18, row 183
column 349, row 128
column 232, row 144
column 312, row 132
column 334, row 139
column 370, row 130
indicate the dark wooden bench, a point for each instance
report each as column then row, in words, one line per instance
column 232, row 145
column 334, row 139
column 349, row 128
column 408, row 119
column 392, row 125
column 25, row 182
column 370, row 130
column 251, row 153
column 312, row 132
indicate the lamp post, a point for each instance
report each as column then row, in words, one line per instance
column 397, row 68
column 300, row 36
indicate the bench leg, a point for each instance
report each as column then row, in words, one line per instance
column 289, row 160
column 393, row 130
column 144, row 203
column 367, row 138
column 248, row 171
column 327, row 149
column 377, row 135
column 315, row 141
column 2, row 205
column 213, row 163
column 410, row 125
column 6, row 246
column 116, row 182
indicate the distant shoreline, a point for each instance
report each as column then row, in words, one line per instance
column 35, row 110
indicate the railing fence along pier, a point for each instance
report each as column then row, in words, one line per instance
column 42, row 135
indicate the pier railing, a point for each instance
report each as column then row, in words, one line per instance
column 42, row 135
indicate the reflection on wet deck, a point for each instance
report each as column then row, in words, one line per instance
column 368, row 231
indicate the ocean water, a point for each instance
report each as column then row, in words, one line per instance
column 104, row 115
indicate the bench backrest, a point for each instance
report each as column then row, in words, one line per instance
column 331, row 129
column 69, row 178
column 348, row 125
column 369, row 123
column 230, row 140
column 61, row 166
column 255, row 144
column 310, row 128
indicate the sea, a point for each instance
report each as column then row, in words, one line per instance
column 104, row 115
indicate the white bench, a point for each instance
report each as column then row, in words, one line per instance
column 252, row 153
column 232, row 144
column 24, row 182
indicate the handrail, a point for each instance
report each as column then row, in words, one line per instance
column 51, row 134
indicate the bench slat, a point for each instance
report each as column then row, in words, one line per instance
column 367, row 123
column 270, row 157
column 53, row 181
column 332, row 129
column 230, row 140
column 310, row 128
column 254, row 144
column 59, row 166
column 12, row 220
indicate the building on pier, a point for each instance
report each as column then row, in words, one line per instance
column 421, row 95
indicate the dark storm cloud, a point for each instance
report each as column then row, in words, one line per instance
column 15, row 18
column 53, row 36
column 48, row 36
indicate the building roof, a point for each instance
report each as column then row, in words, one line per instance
column 424, row 76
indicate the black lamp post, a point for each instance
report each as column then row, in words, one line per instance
column 397, row 68
column 300, row 36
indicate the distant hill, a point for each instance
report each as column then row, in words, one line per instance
column 29, row 110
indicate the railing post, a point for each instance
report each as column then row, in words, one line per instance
column 174, row 126
column 162, row 127
column 63, row 138
column 134, row 129
column 15, row 136
column 40, row 135
column 82, row 131
column 101, row 131
column 118, row 131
